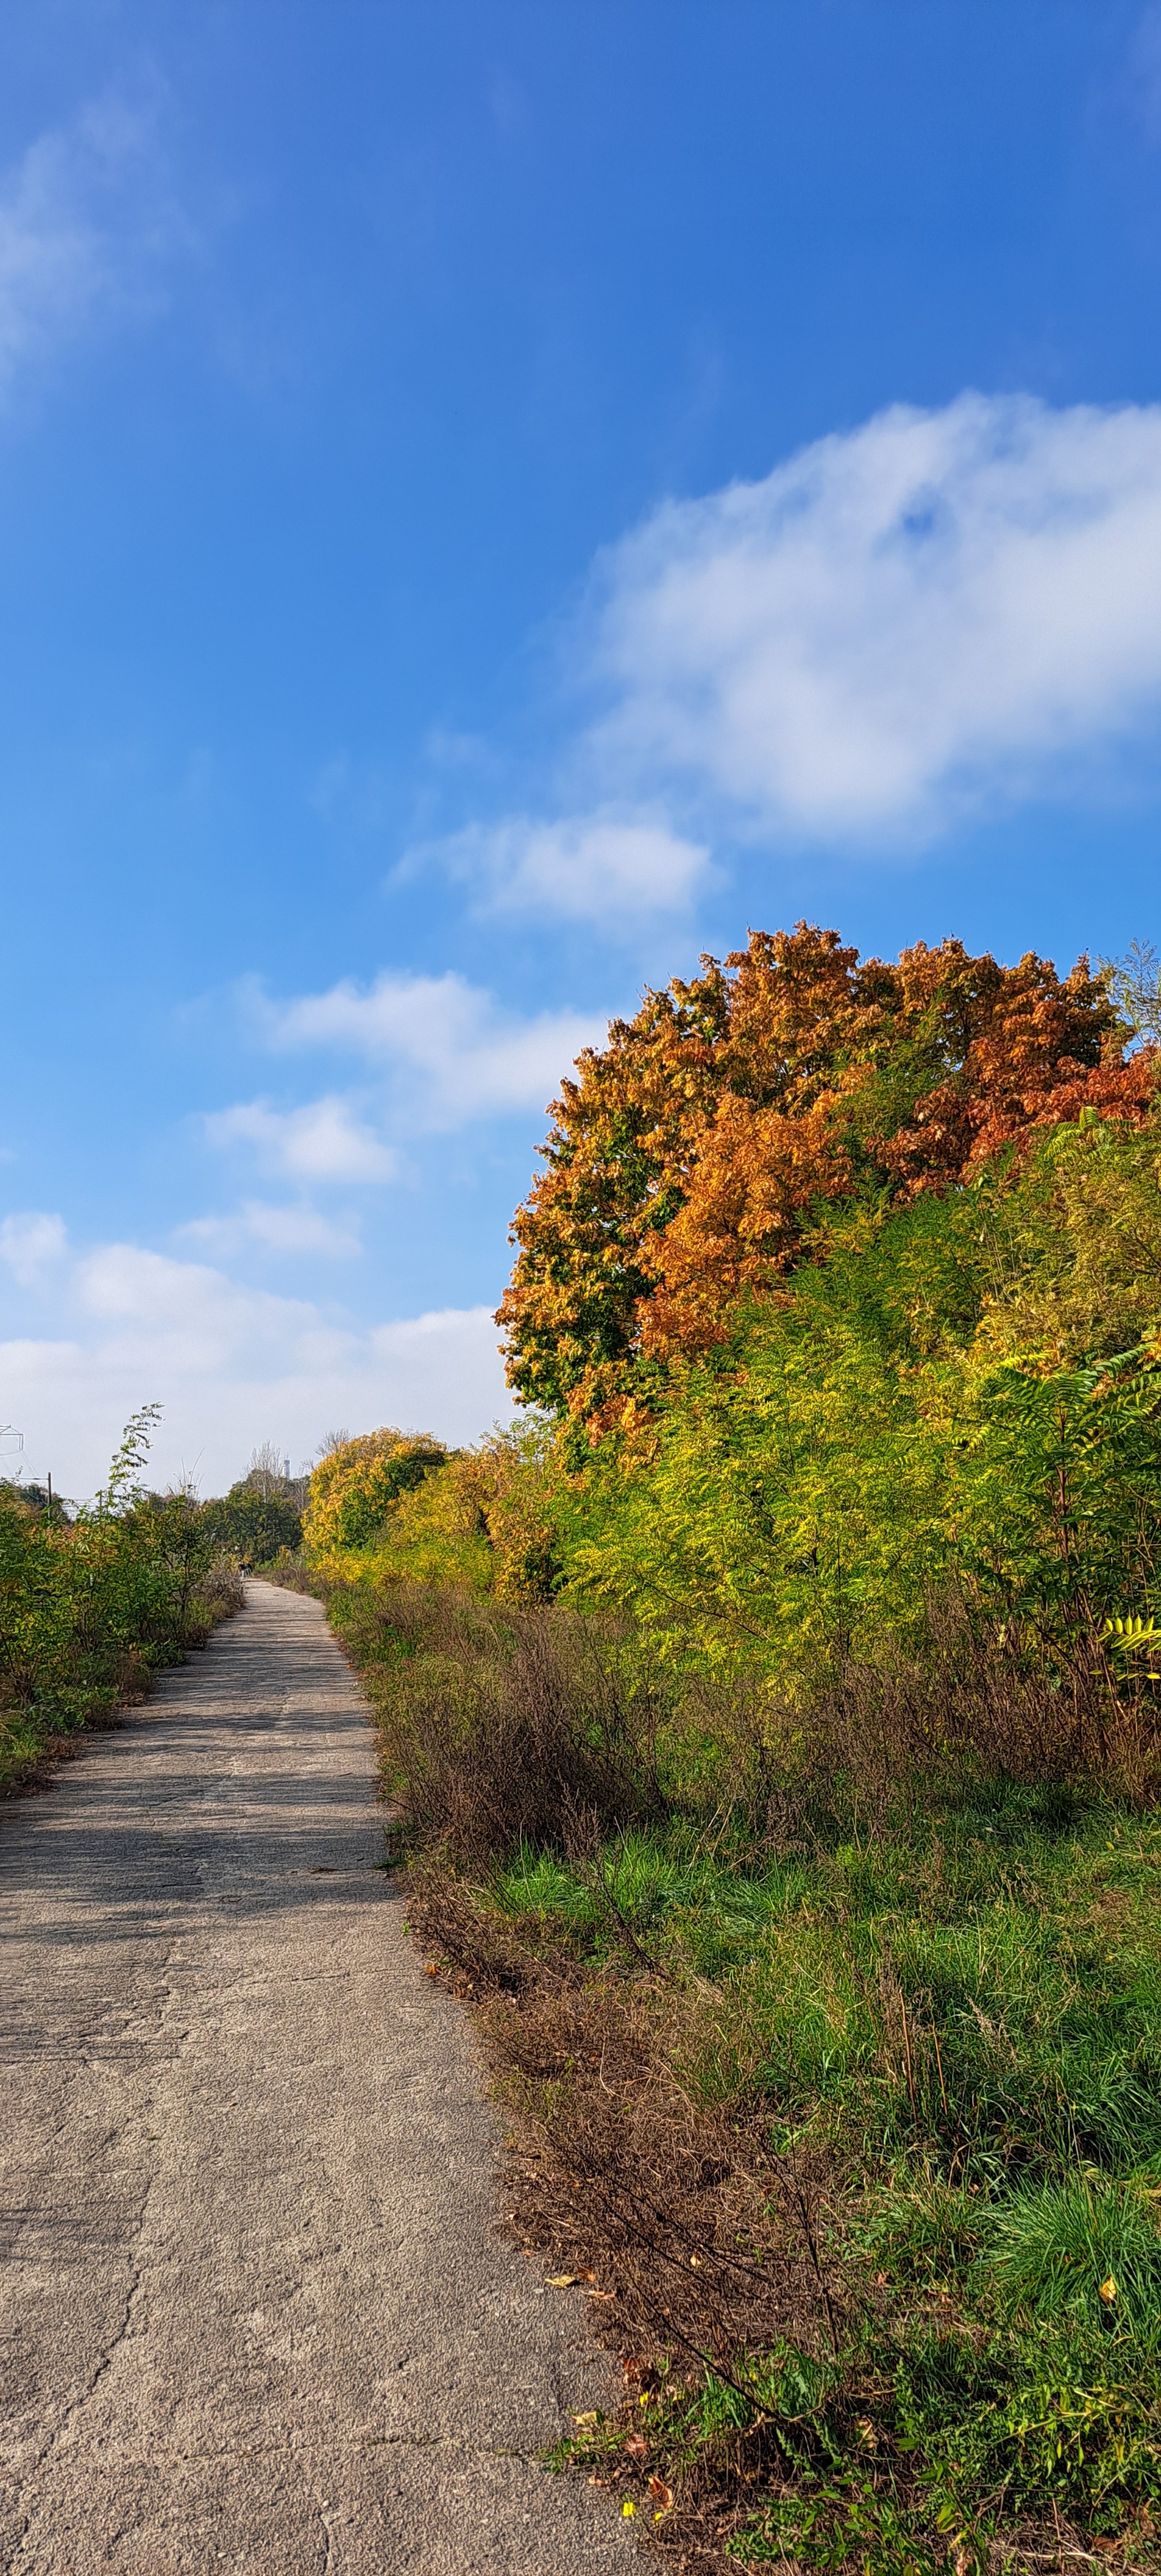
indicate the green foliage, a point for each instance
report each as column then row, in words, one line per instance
column 1086, row 2247
column 965, row 2015
column 89, row 1608
column 880, row 1434
column 358, row 1485
column 1056, row 1493
column 782, row 1508
column 248, row 1522
column 816, row 1708
column 481, row 1517
column 951, row 2007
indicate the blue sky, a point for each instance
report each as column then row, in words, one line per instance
column 493, row 500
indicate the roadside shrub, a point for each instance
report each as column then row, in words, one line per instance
column 355, row 1487
column 967, row 1696
column 89, row 1608
column 502, row 1726
column 844, row 2128
column 774, row 1735
column 253, row 1523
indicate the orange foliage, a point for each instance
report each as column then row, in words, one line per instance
column 692, row 1151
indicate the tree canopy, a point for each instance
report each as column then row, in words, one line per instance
column 358, row 1484
column 690, row 1159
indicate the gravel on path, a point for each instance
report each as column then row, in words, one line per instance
column 256, row 2311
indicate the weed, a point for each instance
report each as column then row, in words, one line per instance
column 842, row 2136
column 90, row 1607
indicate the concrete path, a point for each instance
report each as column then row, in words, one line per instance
column 255, row 2311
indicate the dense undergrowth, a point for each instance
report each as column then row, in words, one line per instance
column 843, row 2103
column 90, row 1607
column 775, row 1750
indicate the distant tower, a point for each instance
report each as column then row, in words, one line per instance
column 286, row 1466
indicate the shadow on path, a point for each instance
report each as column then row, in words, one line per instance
column 256, row 2311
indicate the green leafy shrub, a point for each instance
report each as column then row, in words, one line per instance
column 357, row 1485
column 781, row 1754
column 90, row 1607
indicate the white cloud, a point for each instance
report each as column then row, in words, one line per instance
column 84, row 223
column 461, row 1057
column 931, row 607
column 322, row 1141
column 281, row 1230
column 232, row 1366
column 30, row 1244
column 608, row 868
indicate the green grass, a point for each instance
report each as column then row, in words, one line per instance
column 947, row 2019
column 965, row 2015
column 31, row 1735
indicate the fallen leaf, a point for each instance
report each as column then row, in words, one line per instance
column 563, row 2280
column 661, row 2494
column 637, row 2446
column 1108, row 2291
column 589, row 2416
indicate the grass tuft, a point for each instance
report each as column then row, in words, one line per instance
column 841, row 2118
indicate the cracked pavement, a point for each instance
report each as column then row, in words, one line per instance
column 256, row 2310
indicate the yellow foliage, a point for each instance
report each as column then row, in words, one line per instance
column 410, row 1512
column 357, row 1487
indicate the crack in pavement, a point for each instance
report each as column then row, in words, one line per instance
column 105, row 2357
column 246, row 2159
column 360, row 2446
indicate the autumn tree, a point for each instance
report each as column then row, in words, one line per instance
column 358, row 1484
column 691, row 1155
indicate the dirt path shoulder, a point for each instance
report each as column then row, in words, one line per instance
column 255, row 2310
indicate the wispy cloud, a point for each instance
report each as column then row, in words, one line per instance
column 607, row 868
column 935, row 607
column 283, row 1231
column 934, row 613
column 31, row 1244
column 454, row 1054
column 87, row 223
column 324, row 1140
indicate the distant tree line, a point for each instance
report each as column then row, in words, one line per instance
column 261, row 1515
